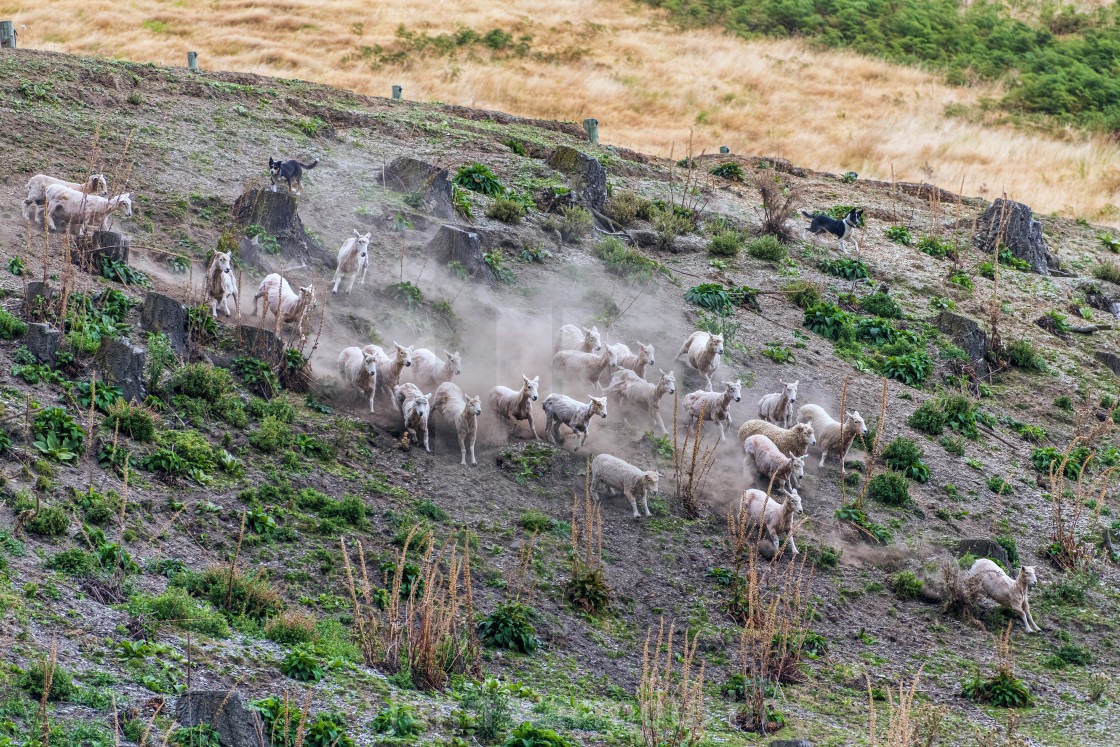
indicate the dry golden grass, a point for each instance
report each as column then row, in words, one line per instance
column 648, row 84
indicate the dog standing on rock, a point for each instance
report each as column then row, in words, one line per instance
column 289, row 170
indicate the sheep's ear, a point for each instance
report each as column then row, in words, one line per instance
column 660, row 371
column 525, row 377
column 797, row 382
column 356, row 233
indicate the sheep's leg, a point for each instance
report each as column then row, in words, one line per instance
column 49, row 213
column 548, row 427
column 657, row 420
column 746, row 469
column 629, row 493
column 372, row 394
column 532, row 424
column 474, row 437
column 365, row 269
column 337, row 279
column 353, row 277
column 824, row 455
column 214, row 308
column 582, row 438
column 424, row 430
column 645, row 502
column 792, row 544
column 1029, row 616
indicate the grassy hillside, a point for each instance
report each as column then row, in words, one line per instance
column 652, row 86
column 236, row 532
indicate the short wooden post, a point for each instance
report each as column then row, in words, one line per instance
column 592, row 127
column 397, row 92
column 7, row 35
column 724, row 150
column 192, row 61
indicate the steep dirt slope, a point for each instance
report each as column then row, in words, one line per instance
column 188, row 145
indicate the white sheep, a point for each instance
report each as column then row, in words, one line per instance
column 430, row 371
column 84, row 209
column 37, row 191
column 571, row 337
column 627, row 387
column 510, row 406
column 559, row 408
column 716, row 405
column 615, row 475
column 456, row 407
column 389, row 368
column 778, row 408
column 795, row 440
column 999, row 586
column 636, row 362
column 413, row 406
column 288, row 306
column 358, row 369
column 775, row 518
column 353, row 258
column 703, row 351
column 584, row 367
column 763, row 457
column 220, row 282
column 828, row 431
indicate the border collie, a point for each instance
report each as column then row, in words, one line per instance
column 289, row 170
column 841, row 229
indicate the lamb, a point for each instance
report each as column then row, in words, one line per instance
column 358, row 369
column 778, row 408
column 413, row 406
column 828, row 431
column 510, row 406
column 571, row 337
column 999, row 586
column 703, row 351
column 587, row 367
column 456, row 407
column 84, row 209
column 775, row 518
column 636, row 363
column 627, row 387
column 37, row 191
column 283, row 302
column 353, row 258
column 613, row 474
column 559, row 408
column 795, row 440
column 430, row 371
column 220, row 283
column 389, row 369
column 766, row 460
column 716, row 407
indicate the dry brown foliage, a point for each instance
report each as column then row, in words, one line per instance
column 670, row 704
column 691, row 466
column 780, row 198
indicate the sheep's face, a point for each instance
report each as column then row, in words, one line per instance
column 735, row 389
column 806, row 429
column 591, row 337
column 363, row 245
column 474, row 405
column 222, row 260
column 650, row 480
column 530, row 386
column 669, row 380
column 370, row 364
column 307, row 294
column 599, row 406
column 1028, row 571
column 855, row 422
column 612, row 359
column 454, row 362
column 97, row 181
column 798, row 464
column 404, row 355
column 793, row 502
column 715, row 344
column 645, row 352
column 124, row 204
column 791, row 390
column 420, row 406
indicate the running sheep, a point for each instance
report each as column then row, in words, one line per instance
column 778, row 408
column 612, row 475
column 353, row 258
column 430, row 371
column 456, row 407
column 389, row 369
column 414, row 408
column 358, row 370
column 763, row 457
column 716, row 406
column 795, row 440
column 571, row 337
column 831, row 438
column 37, row 191
column 999, row 586
column 703, row 351
column 220, row 283
column 509, row 406
column 84, row 209
column 639, row 362
column 288, row 306
column 627, row 388
column 775, row 518
column 587, row 368
column 561, row 409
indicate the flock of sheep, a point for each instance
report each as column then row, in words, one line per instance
column 774, row 446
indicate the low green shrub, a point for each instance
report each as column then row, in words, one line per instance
column 726, row 244
column 396, row 721
column 1108, row 270
column 301, row 666
column 507, row 211
column 999, row 485
column 509, row 627
column 575, row 223
column 803, row 293
column 11, row 326
column 889, row 489
column 882, row 305
column 536, row 521
column 75, row 562
column 202, row 381
column 626, row 261
column 1003, row 690
column 130, row 420
column 899, row 235
column 848, row 269
column 1022, row 354
column 729, row 170
column 34, row 680
column 176, row 606
column 479, row 178
column 624, row 207
column 249, row 594
column 290, row 628
column 49, row 521
column 928, row 418
column 272, row 435
column 906, row 585
column 528, row 735
column 767, row 248
column 905, row 456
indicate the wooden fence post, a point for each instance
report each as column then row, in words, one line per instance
column 7, row 35
column 397, row 92
column 592, row 127
column 192, row 61
column 724, row 150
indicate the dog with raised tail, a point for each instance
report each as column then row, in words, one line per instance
column 841, row 229
column 289, row 170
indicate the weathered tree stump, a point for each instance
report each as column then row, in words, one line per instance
column 276, row 213
column 589, row 177
column 982, row 548
column 43, row 341
column 121, row 363
column 1013, row 224
column 237, row 725
column 164, row 314
column 451, row 244
column 259, row 343
column 410, row 175
column 89, row 249
column 1112, row 360
column 967, row 335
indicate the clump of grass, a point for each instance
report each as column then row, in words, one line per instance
column 804, row 293
column 906, row 585
column 889, row 488
column 1108, row 270
column 726, row 244
column 625, row 207
column 624, row 260
column 767, row 248
column 507, row 211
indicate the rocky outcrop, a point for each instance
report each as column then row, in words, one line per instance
column 43, row 341
column 237, row 726
column 588, row 176
column 121, row 363
column 164, row 314
column 413, row 176
column 983, row 548
column 90, row 249
column 451, row 244
column 276, row 213
column 1112, row 360
column 1013, row 224
column 259, row 343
